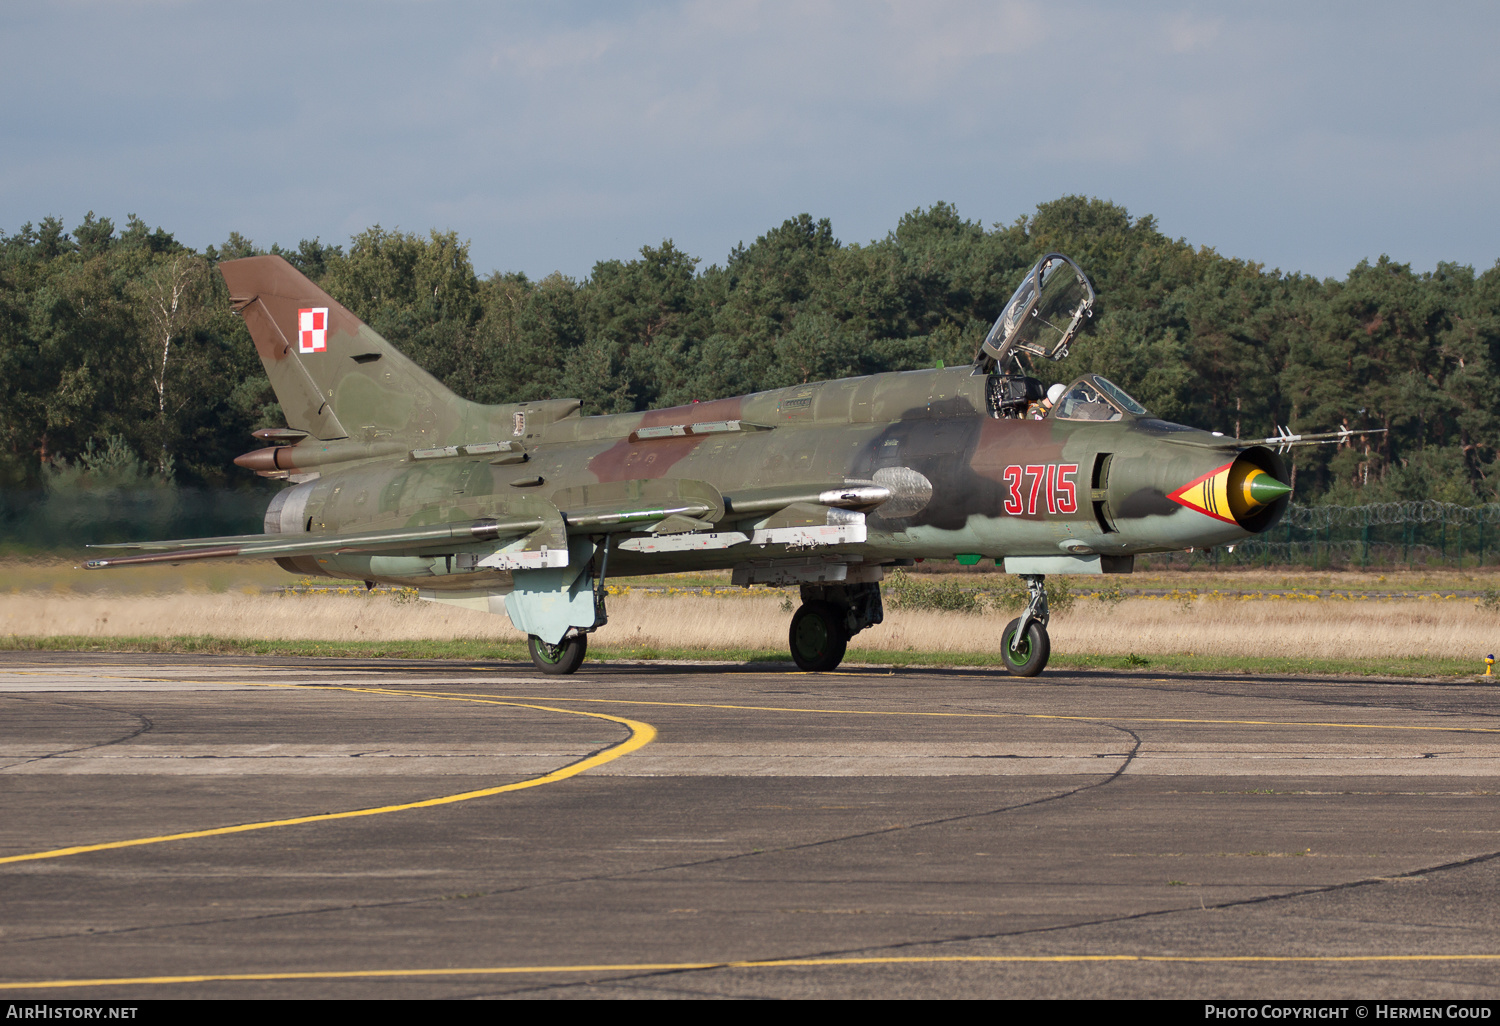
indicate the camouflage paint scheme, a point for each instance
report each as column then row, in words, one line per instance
column 384, row 452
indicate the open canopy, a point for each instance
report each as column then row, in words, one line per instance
column 1044, row 314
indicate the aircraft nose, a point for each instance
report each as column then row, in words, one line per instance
column 1247, row 491
column 1260, row 488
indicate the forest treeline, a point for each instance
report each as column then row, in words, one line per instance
column 121, row 363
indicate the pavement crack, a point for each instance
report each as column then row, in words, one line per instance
column 603, row 877
column 143, row 725
column 1154, row 913
column 929, row 942
column 1204, row 687
column 897, row 827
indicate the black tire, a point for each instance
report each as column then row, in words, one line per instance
column 559, row 659
column 1031, row 655
column 817, row 638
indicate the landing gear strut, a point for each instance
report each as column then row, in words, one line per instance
column 831, row 614
column 567, row 655
column 1024, row 645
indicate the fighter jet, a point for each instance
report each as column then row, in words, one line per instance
column 528, row 508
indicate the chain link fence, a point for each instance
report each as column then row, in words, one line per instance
column 41, row 521
column 1384, row 534
column 1393, row 534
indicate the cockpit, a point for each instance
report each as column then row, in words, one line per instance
column 1092, row 397
column 1039, row 323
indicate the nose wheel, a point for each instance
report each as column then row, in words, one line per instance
column 1025, row 651
column 1024, row 644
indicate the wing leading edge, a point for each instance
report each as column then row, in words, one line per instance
column 675, row 515
column 263, row 546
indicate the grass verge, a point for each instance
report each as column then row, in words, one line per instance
column 492, row 651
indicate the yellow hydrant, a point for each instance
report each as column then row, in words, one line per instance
column 1489, row 665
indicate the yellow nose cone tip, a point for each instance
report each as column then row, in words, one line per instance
column 1261, row 488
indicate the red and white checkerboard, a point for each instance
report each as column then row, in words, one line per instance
column 312, row 330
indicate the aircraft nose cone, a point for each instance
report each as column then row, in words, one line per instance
column 1261, row 488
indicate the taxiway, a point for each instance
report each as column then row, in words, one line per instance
column 234, row 827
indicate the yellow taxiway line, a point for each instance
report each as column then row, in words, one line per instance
column 641, row 734
column 776, row 963
column 976, row 715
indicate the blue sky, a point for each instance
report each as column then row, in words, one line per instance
column 1300, row 136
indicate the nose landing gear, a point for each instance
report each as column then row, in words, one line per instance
column 1024, row 644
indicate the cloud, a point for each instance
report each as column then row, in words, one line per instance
column 556, row 135
column 1186, row 33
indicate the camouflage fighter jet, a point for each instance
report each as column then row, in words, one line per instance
column 529, row 507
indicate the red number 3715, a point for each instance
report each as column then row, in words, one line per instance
column 1052, row 482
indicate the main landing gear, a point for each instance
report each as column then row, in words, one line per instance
column 567, row 655
column 818, row 639
column 830, row 615
column 564, row 657
column 1024, row 645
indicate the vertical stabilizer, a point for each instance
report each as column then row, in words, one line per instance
column 333, row 375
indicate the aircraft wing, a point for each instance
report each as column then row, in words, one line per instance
column 267, row 546
column 662, row 507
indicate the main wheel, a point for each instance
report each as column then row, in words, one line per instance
column 817, row 638
column 1031, row 653
column 562, row 658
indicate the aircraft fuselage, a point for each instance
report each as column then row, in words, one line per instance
column 964, row 483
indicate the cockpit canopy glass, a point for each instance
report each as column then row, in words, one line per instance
column 1045, row 312
column 1120, row 396
column 1094, row 398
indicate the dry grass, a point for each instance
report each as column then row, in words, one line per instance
column 1297, row 629
column 240, row 615
column 63, row 576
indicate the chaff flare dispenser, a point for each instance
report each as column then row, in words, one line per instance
column 528, row 508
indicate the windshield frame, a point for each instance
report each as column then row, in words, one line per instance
column 1108, row 394
column 1126, row 402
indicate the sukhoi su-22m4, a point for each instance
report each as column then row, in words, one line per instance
column 529, row 507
